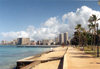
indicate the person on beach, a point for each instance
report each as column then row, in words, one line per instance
column 51, row 49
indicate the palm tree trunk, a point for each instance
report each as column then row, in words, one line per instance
column 92, row 42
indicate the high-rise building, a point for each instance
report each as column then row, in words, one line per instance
column 38, row 43
column 23, row 41
column 56, row 40
column 61, row 38
column 3, row 42
column 65, row 37
column 32, row 43
column 47, row 42
column 14, row 42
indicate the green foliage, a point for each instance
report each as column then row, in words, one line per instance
column 82, row 37
column 98, row 32
column 88, row 39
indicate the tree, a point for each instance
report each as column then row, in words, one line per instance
column 83, row 36
column 78, row 29
column 93, row 20
column 75, row 39
column 91, row 27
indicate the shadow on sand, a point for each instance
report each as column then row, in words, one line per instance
column 82, row 56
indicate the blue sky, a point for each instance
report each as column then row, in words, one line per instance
column 16, row 15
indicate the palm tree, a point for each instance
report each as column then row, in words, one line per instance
column 93, row 20
column 78, row 29
column 91, row 27
column 83, row 37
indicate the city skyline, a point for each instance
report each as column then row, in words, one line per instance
column 62, row 38
column 43, row 19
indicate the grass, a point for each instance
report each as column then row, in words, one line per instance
column 90, row 50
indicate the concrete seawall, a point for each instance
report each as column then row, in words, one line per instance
column 65, row 64
column 28, row 60
column 56, row 57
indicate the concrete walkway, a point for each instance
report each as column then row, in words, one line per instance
column 79, row 60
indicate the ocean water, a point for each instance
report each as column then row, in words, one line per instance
column 10, row 54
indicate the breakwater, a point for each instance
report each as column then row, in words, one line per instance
column 39, row 46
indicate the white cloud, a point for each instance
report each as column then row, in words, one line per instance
column 53, row 26
column 51, row 22
column 81, row 16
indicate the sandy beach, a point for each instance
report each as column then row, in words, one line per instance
column 50, row 60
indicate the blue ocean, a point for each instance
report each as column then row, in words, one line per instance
column 10, row 54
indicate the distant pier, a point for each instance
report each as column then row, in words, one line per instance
column 41, row 46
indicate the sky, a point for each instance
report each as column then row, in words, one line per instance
column 43, row 19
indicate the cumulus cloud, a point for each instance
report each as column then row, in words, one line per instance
column 47, row 31
column 81, row 16
column 51, row 22
column 52, row 27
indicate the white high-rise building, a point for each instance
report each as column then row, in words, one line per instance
column 65, row 37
